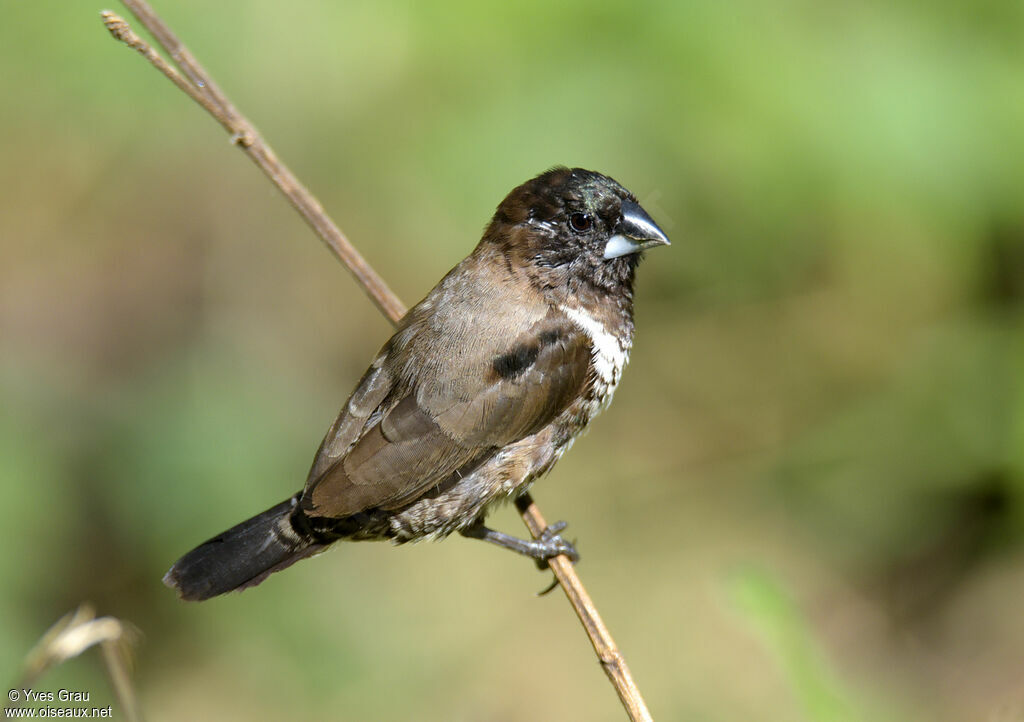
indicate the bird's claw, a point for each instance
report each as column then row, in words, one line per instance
column 551, row 544
column 548, row 588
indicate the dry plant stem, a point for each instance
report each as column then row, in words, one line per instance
column 608, row 654
column 198, row 86
column 77, row 632
column 201, row 88
column 121, row 680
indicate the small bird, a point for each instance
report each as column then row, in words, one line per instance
column 485, row 384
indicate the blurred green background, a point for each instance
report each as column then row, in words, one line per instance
column 806, row 502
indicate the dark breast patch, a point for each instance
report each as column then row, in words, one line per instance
column 515, row 362
column 512, row 364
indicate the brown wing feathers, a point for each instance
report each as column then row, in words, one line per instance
column 524, row 388
column 432, row 432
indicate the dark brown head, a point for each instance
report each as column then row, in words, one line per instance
column 576, row 227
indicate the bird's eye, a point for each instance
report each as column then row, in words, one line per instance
column 581, row 222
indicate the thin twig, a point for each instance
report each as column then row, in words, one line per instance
column 72, row 635
column 199, row 86
column 607, row 652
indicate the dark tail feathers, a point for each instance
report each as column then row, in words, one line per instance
column 243, row 556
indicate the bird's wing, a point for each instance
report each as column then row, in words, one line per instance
column 396, row 440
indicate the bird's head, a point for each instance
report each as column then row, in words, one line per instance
column 577, row 225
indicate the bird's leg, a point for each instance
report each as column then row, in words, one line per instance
column 540, row 550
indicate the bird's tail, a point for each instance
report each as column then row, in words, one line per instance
column 243, row 556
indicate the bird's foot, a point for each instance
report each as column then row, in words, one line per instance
column 550, row 544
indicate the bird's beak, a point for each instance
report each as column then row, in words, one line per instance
column 636, row 231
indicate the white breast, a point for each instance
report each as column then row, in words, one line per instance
column 610, row 355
